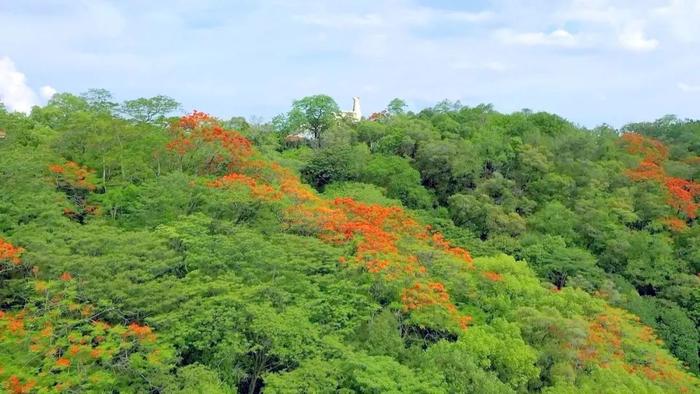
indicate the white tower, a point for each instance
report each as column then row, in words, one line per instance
column 356, row 111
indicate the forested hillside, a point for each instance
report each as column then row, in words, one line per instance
column 453, row 250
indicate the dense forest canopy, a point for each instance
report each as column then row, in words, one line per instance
column 456, row 249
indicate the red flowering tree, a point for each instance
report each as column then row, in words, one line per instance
column 57, row 343
column 10, row 253
column 682, row 193
column 10, row 256
column 377, row 233
column 614, row 341
column 380, row 236
column 77, row 182
column 73, row 176
column 201, row 143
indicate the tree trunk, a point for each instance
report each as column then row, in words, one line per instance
column 104, row 174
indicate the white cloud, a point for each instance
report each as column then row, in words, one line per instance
column 461, row 16
column 682, row 17
column 341, row 21
column 15, row 94
column 591, row 11
column 470, row 65
column 558, row 37
column 47, row 92
column 688, row 88
column 14, row 91
column 104, row 18
column 371, row 45
column 374, row 29
column 625, row 21
column 633, row 38
column 398, row 15
column 495, row 66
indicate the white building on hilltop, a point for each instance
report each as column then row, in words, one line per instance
column 356, row 113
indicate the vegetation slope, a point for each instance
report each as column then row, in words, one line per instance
column 454, row 250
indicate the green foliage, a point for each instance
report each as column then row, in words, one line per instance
column 56, row 343
column 399, row 178
column 552, row 259
column 153, row 109
column 333, row 165
column 314, row 114
column 187, row 285
column 361, row 192
column 672, row 324
column 396, row 107
column 100, row 100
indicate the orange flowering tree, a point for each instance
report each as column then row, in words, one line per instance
column 675, row 224
column 73, row 176
column 77, row 182
column 201, row 143
column 9, row 255
column 56, row 343
column 380, row 237
column 682, row 193
column 381, row 240
column 493, row 276
column 616, row 339
column 256, row 189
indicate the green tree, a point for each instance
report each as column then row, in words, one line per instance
column 396, row 107
column 100, row 100
column 153, row 109
column 313, row 114
column 334, row 165
column 398, row 177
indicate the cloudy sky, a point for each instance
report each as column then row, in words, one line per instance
column 592, row 61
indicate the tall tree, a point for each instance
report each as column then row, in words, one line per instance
column 314, row 114
column 149, row 109
column 100, row 100
column 396, row 107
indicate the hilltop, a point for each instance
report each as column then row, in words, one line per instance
column 453, row 250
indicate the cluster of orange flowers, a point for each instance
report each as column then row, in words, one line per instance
column 72, row 174
column 141, row 332
column 603, row 331
column 682, row 192
column 15, row 386
column 194, row 120
column 661, row 368
column 605, row 346
column 198, row 127
column 438, row 240
column 75, row 180
column 15, row 323
column 422, row 295
column 653, row 150
column 180, row 145
column 63, row 362
column 493, row 276
column 262, row 191
column 375, row 231
column 79, row 349
column 10, row 252
column 350, row 219
column 675, row 224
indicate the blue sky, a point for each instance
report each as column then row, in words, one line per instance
column 592, row 61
